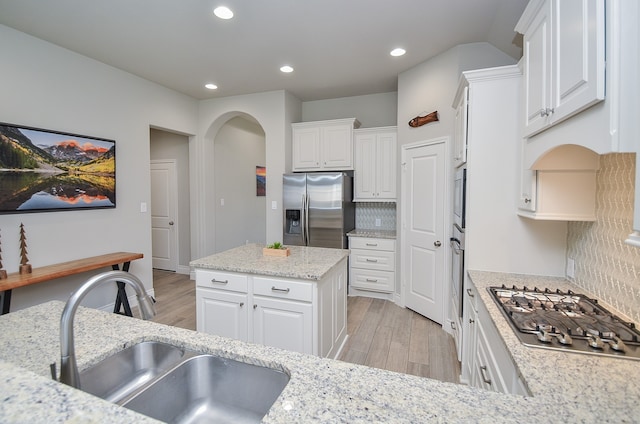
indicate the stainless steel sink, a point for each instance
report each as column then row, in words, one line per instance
column 122, row 374
column 172, row 385
column 207, row 388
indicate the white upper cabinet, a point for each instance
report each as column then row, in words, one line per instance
column 564, row 60
column 607, row 126
column 375, row 164
column 460, row 104
column 323, row 145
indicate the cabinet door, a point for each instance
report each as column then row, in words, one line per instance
column 527, row 201
column 537, row 70
column 578, row 57
column 469, row 332
column 283, row 324
column 460, row 130
column 306, row 149
column 385, row 174
column 337, row 147
column 365, row 166
column 222, row 313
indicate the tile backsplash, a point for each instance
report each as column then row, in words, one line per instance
column 368, row 212
column 604, row 264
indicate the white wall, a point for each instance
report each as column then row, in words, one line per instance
column 166, row 145
column 274, row 111
column 373, row 110
column 45, row 86
column 239, row 148
column 432, row 86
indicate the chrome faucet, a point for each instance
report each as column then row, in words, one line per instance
column 68, row 366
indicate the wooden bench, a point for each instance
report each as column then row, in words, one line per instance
column 64, row 269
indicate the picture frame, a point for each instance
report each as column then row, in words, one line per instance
column 44, row 171
column 261, row 181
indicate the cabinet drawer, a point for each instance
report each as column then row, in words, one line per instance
column 284, row 289
column 221, row 280
column 382, row 281
column 372, row 259
column 372, row 243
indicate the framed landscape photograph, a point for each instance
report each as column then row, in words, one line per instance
column 43, row 170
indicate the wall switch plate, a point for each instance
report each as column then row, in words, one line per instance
column 221, row 202
column 571, row 268
column 378, row 222
column 143, row 207
column 274, row 204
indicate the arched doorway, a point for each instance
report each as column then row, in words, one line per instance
column 239, row 209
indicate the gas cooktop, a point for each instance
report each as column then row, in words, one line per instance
column 566, row 321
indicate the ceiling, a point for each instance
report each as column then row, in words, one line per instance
column 338, row 48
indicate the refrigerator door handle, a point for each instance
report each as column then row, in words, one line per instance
column 306, row 219
column 303, row 219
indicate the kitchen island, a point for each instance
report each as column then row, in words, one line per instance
column 296, row 302
column 565, row 387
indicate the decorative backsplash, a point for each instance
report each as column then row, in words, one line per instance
column 368, row 212
column 604, row 264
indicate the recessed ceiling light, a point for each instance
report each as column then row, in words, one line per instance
column 211, row 86
column 223, row 12
column 286, row 69
column 397, row 52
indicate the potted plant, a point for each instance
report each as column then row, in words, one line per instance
column 276, row 249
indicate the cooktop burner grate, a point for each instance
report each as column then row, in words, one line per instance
column 566, row 321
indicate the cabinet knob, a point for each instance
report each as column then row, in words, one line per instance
column 471, row 321
column 255, row 306
column 453, row 325
column 527, row 200
column 241, row 304
column 437, row 243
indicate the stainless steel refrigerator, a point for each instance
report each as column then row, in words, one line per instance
column 318, row 209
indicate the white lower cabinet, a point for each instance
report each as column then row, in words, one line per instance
column 282, row 323
column 223, row 313
column 372, row 264
column 297, row 315
column 486, row 363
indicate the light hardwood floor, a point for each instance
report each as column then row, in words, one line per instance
column 381, row 334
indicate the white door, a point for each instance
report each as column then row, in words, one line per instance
column 423, row 252
column 164, row 234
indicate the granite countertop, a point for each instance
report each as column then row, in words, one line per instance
column 304, row 263
column 596, row 388
column 320, row 390
column 368, row 233
column 566, row 387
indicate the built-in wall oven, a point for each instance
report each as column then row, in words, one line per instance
column 457, row 236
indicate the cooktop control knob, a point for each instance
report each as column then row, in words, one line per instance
column 617, row 345
column 595, row 342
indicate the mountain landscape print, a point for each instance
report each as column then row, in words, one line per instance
column 43, row 170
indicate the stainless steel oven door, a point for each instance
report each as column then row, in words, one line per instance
column 459, row 197
column 457, row 264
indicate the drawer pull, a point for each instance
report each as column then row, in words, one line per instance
column 241, row 304
column 372, row 244
column 453, row 325
column 483, row 369
column 275, row 289
column 371, row 280
column 213, row 280
column 372, row 260
column 470, row 293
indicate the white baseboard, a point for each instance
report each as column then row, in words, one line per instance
column 184, row 269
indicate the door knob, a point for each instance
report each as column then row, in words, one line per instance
column 437, row 243
column 170, row 222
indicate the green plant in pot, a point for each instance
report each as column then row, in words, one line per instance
column 276, row 245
